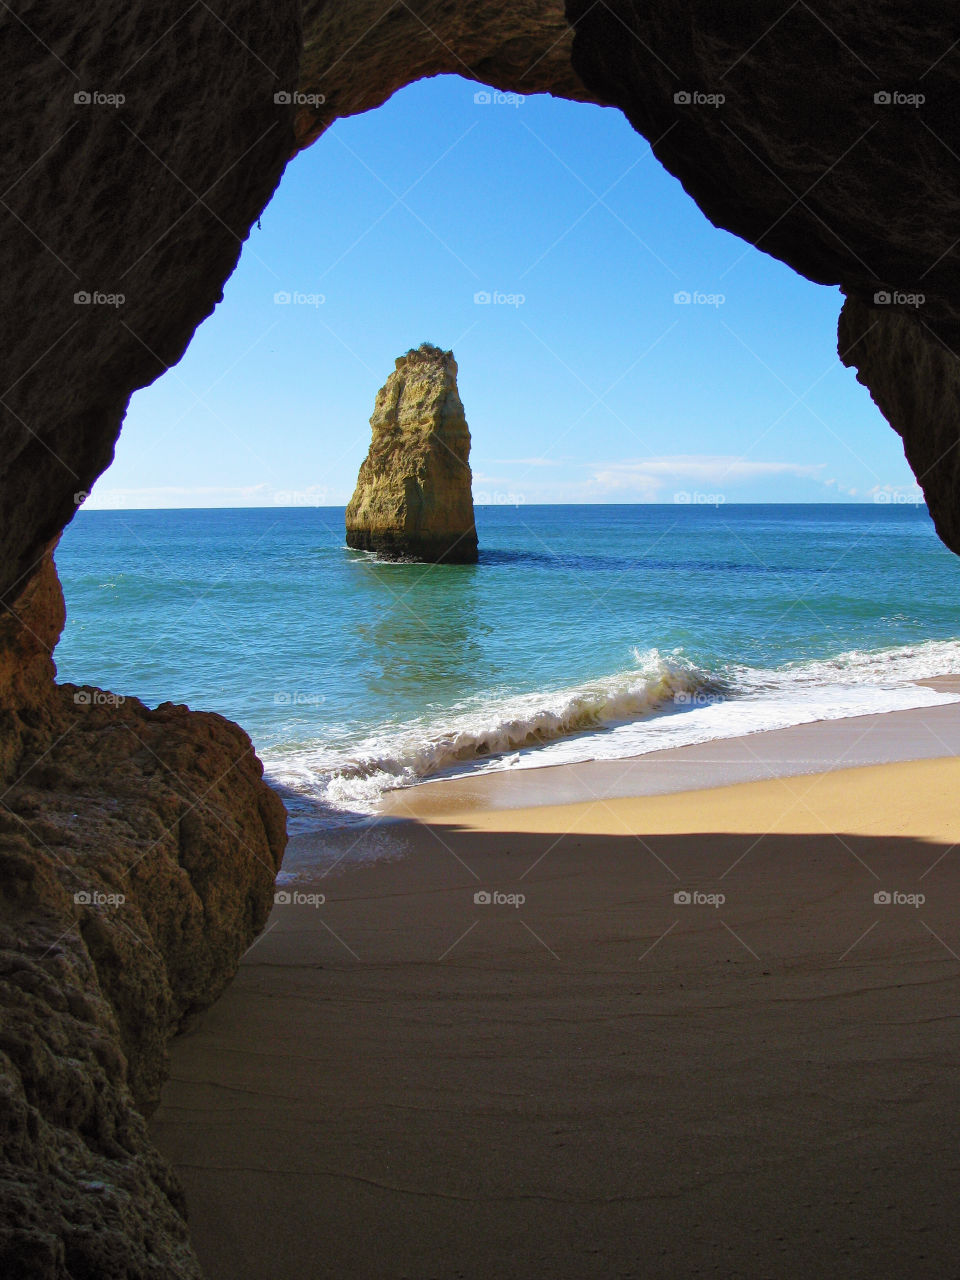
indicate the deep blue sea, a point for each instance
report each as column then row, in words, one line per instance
column 584, row 632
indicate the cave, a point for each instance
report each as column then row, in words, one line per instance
column 142, row 145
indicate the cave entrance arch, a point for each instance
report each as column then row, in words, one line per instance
column 601, row 354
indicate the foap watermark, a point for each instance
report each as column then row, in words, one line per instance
column 894, row 898
column 697, row 98
column 896, row 98
column 297, row 898
column 97, row 898
column 293, row 298
column 297, row 698
column 696, row 698
column 498, row 498
column 301, row 498
column 897, row 298
column 684, row 298
column 98, row 698
column 696, row 898
column 118, row 498
column 96, row 98
column 497, row 298
column 495, row 98
column 890, row 495
column 95, row 298
column 293, row 97
column 495, row 898
column 694, row 498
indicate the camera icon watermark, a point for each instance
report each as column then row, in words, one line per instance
column 494, row 97
column 695, row 898
column 696, row 698
column 86, row 298
column 696, row 98
column 293, row 97
column 95, row 98
column 96, row 898
column 493, row 897
column 497, row 298
column 890, row 495
column 296, row 898
column 894, row 898
column 898, row 298
column 294, row 298
column 315, row 497
column 98, row 698
column 498, row 498
column 686, row 298
column 895, row 98
column 694, row 498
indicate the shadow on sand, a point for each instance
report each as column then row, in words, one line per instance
column 578, row 1073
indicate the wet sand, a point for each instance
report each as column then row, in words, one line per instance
column 925, row 733
column 640, row 1035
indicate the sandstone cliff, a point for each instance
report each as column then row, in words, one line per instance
column 413, row 498
column 138, row 852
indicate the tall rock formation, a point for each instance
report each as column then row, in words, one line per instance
column 413, row 498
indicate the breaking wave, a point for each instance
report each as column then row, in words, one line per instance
column 666, row 700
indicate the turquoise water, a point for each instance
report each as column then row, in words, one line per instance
column 583, row 631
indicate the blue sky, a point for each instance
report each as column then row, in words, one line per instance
column 583, row 379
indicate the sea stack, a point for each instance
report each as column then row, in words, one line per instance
column 413, row 499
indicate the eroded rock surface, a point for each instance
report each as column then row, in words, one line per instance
column 149, row 199
column 138, row 852
column 356, row 55
column 413, row 499
column 914, row 379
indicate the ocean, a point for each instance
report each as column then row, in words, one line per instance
column 584, row 632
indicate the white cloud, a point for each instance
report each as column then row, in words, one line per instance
column 529, row 462
column 179, row 496
column 912, row 489
column 648, row 476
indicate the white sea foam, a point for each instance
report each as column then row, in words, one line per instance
column 664, row 701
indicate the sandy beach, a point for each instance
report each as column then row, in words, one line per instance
column 710, row 1031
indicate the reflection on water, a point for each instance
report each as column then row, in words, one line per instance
column 419, row 628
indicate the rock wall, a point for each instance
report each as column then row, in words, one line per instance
column 914, row 379
column 413, row 499
column 141, row 142
column 356, row 55
column 138, row 853
column 149, row 199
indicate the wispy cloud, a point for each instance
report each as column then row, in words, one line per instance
column 178, row 496
column 649, row 476
column 527, row 462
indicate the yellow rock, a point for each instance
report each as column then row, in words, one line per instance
column 413, row 499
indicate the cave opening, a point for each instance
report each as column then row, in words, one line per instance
column 613, row 347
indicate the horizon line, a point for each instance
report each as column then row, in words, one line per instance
column 492, row 506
